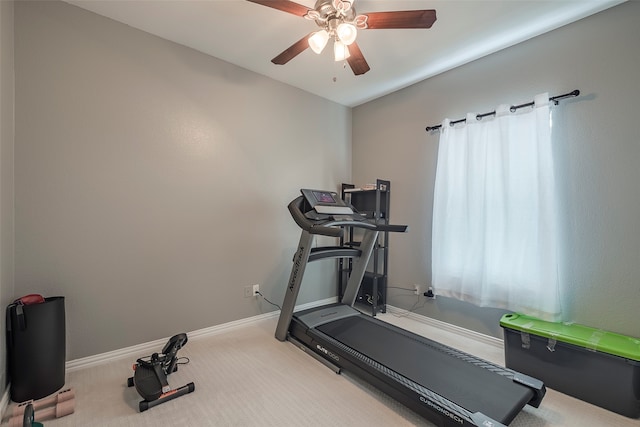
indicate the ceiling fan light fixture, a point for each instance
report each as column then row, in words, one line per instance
column 340, row 51
column 318, row 41
column 347, row 33
column 331, row 14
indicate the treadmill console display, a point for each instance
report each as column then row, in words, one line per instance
column 324, row 197
column 326, row 202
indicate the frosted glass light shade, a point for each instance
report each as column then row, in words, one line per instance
column 347, row 33
column 340, row 51
column 318, row 41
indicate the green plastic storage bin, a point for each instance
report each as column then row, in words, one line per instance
column 591, row 364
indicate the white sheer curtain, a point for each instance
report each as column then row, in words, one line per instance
column 494, row 237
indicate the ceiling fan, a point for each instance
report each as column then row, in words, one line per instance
column 339, row 21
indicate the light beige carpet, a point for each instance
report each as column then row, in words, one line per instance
column 245, row 377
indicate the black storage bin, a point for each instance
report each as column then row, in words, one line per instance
column 36, row 348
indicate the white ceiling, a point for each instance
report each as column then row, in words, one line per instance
column 250, row 35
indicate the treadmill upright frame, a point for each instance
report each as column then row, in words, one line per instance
column 300, row 261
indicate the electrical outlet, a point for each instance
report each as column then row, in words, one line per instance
column 416, row 289
column 248, row 291
column 256, row 290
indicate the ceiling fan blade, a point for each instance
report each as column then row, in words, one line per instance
column 285, row 6
column 292, row 51
column 356, row 60
column 401, row 19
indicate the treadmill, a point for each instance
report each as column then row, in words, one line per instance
column 446, row 386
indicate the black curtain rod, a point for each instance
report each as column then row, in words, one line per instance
column 513, row 109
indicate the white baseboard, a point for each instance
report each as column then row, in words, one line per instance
column 152, row 346
column 486, row 339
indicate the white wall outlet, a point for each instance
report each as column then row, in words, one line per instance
column 248, row 291
column 416, row 289
column 256, row 290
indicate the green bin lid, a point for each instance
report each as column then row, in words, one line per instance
column 573, row 333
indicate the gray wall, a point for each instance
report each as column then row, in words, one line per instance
column 151, row 181
column 597, row 152
column 6, row 169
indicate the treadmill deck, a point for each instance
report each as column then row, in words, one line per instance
column 470, row 382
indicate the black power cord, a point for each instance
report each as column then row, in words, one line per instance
column 429, row 294
column 265, row 298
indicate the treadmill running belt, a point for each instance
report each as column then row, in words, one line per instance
column 427, row 363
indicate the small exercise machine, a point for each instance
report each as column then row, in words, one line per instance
column 150, row 376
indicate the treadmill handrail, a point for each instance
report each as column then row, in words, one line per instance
column 328, row 228
column 392, row 227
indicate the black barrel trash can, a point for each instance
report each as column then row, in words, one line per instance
column 36, row 348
